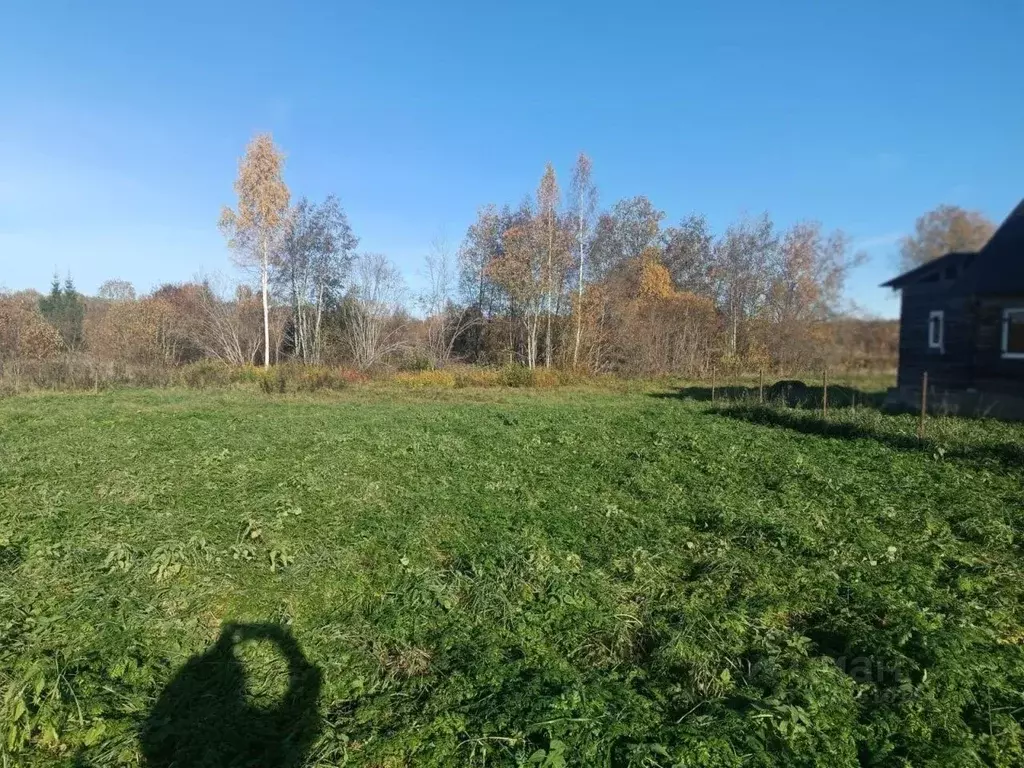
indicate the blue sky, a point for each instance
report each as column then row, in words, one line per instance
column 121, row 123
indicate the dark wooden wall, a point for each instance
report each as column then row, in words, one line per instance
column 952, row 368
column 993, row 372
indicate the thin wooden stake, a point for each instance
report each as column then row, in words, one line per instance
column 713, row 383
column 760, row 386
column 924, row 405
column 824, row 393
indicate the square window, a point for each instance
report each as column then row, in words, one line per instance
column 1013, row 332
column 936, row 321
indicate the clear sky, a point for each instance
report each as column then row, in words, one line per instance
column 121, row 123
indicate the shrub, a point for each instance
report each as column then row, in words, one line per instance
column 476, row 377
column 272, row 381
column 423, row 379
column 206, row 373
column 515, row 375
column 149, row 375
column 245, row 374
column 569, row 378
column 546, row 378
column 317, row 377
column 414, row 362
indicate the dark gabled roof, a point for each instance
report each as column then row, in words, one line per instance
column 1001, row 261
column 997, row 268
column 940, row 263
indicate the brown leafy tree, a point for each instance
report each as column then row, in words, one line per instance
column 655, row 328
column 135, row 332
column 24, row 333
column 255, row 229
column 946, row 229
column 184, row 319
column 520, row 271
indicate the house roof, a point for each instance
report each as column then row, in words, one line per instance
column 999, row 266
column 912, row 275
column 1001, row 262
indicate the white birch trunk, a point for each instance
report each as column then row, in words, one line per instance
column 265, row 279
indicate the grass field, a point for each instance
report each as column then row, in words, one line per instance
column 493, row 577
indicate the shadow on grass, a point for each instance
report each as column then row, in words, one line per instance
column 205, row 718
column 1004, row 456
column 792, row 393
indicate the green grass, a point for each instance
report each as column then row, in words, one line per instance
column 472, row 577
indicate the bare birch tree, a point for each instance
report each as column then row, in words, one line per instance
column 582, row 206
column 372, row 327
column 255, row 229
column 445, row 321
column 807, row 279
column 741, row 271
column 547, row 219
column 225, row 324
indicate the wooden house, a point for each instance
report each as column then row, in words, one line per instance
column 962, row 322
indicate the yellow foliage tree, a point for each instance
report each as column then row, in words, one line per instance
column 255, row 229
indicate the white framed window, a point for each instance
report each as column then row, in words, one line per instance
column 1013, row 332
column 936, row 329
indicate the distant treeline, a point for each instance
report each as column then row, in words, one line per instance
column 552, row 282
column 181, row 324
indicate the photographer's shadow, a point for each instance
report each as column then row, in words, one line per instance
column 205, row 717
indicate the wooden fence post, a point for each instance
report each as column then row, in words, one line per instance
column 824, row 393
column 713, row 370
column 760, row 386
column 924, row 405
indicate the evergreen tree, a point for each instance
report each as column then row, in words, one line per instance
column 64, row 310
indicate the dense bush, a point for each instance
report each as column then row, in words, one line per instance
column 514, row 375
column 317, row 377
column 205, row 373
column 271, row 381
column 476, row 376
column 437, row 378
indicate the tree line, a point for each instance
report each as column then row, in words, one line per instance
column 555, row 280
